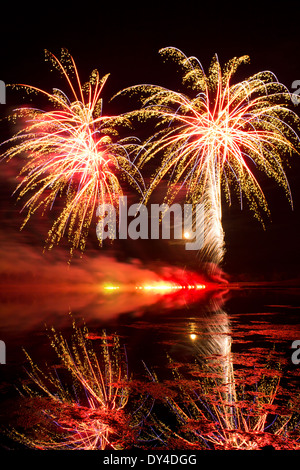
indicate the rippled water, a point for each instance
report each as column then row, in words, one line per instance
column 237, row 339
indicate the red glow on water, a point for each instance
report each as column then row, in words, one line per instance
column 169, row 287
column 173, row 288
column 160, row 287
column 172, row 283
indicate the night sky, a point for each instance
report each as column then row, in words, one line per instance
column 123, row 39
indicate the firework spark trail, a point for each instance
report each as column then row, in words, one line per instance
column 72, row 150
column 214, row 414
column 88, row 410
column 215, row 406
column 215, row 137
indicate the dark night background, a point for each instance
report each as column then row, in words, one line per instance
column 123, row 39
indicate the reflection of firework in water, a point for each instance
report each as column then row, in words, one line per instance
column 216, row 137
column 212, row 413
column 84, row 402
column 71, row 150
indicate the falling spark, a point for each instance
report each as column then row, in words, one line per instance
column 72, row 151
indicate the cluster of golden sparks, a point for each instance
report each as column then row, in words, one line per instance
column 72, row 150
column 216, row 407
column 212, row 138
column 84, row 403
column 212, row 416
column 86, row 395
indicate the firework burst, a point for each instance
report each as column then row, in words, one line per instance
column 213, row 413
column 83, row 399
column 216, row 137
column 73, row 151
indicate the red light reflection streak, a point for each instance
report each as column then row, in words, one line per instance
column 163, row 288
column 170, row 294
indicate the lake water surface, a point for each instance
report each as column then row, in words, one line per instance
column 210, row 370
